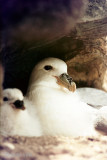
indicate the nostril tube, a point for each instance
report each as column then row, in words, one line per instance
column 65, row 77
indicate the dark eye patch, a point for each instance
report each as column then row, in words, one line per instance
column 48, row 67
column 5, row 99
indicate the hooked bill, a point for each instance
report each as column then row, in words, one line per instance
column 18, row 105
column 66, row 81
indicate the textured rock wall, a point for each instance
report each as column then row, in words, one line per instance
column 89, row 67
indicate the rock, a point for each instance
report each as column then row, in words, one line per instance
column 53, row 148
column 31, row 37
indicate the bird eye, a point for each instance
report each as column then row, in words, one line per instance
column 5, row 99
column 48, row 67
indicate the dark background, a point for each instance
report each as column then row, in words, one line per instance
column 28, row 31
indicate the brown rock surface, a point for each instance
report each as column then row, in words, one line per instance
column 89, row 66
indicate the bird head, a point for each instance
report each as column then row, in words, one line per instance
column 51, row 72
column 13, row 97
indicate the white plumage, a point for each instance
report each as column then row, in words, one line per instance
column 92, row 96
column 51, row 105
column 15, row 121
column 61, row 111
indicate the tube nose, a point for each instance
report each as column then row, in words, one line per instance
column 66, row 78
column 19, row 104
column 66, row 81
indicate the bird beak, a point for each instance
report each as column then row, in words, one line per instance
column 18, row 105
column 66, row 81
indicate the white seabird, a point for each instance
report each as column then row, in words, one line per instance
column 60, row 110
column 18, row 115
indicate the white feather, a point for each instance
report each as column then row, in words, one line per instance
column 60, row 111
column 16, row 121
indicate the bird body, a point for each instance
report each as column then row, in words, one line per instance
column 15, row 121
column 61, row 111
